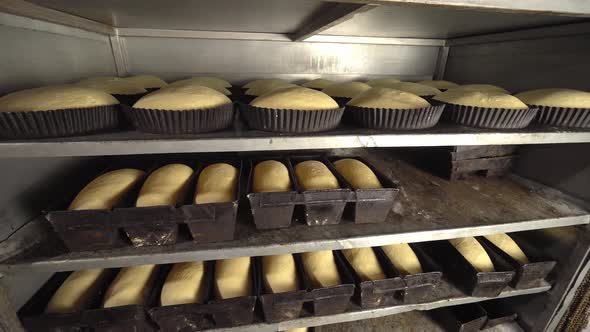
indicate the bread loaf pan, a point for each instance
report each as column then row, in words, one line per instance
column 465, row 276
column 498, row 312
column 492, row 118
column 272, row 209
column 527, row 275
column 396, row 119
column 563, row 117
column 370, row 205
column 290, row 120
column 460, row 318
column 373, row 293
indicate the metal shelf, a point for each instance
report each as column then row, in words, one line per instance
column 428, row 208
column 131, row 142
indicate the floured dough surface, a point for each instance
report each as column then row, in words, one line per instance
column 388, row 98
column 480, row 99
column 474, row 253
column 183, row 98
column 439, row 84
column 296, row 98
column 346, row 89
column 104, row 191
column 359, row 175
column 55, row 98
column 232, row 278
column 321, row 268
column 365, row 263
column 184, row 284
column 403, row 258
column 384, row 82
column 314, row 175
column 481, row 88
column 507, row 245
column 556, row 98
column 416, row 88
column 191, row 82
column 147, row 81
column 280, row 274
column 263, row 89
column 113, row 85
column 318, row 83
column 271, row 176
column 131, row 286
column 164, row 186
column 262, row 82
column 76, row 292
column 217, row 183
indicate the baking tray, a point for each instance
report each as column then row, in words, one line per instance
column 498, row 312
column 290, row 120
column 465, row 276
column 527, row 275
column 461, row 318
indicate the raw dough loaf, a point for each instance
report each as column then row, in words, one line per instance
column 359, row 175
column 295, row 98
column 217, row 183
column 556, row 97
column 184, row 284
column 388, row 98
column 280, row 274
column 264, row 89
column 131, row 286
column 113, row 85
column 104, row 191
column 190, row 82
column 480, row 99
column 417, row 89
column 481, row 88
column 365, row 263
column 55, row 98
column 76, row 292
column 321, row 268
column 299, row 329
column 164, row 186
column 318, row 83
column 181, row 98
column 474, row 253
column 208, row 81
column 232, row 278
column 507, row 245
column 314, row 175
column 262, row 82
column 147, row 81
column 403, row 258
column 440, row 84
column 382, row 82
column 271, row 176
column 346, row 89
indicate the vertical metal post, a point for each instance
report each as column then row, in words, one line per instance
column 119, row 54
column 441, row 62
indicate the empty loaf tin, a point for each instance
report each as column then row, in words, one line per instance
column 498, row 312
column 465, row 276
column 527, row 275
column 461, row 318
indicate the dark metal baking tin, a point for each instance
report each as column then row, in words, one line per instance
column 498, row 312
column 291, row 121
column 492, row 118
column 396, row 119
column 461, row 318
column 129, row 100
column 58, row 123
column 567, row 117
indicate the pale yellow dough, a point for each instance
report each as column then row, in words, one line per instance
column 190, row 82
column 415, row 88
column 346, row 89
column 481, row 88
column 164, row 186
column 55, row 98
column 365, row 263
column 299, row 329
column 296, row 98
column 321, row 268
column 480, row 99
column 264, row 89
column 359, row 175
column 184, row 284
column 106, row 190
column 77, row 291
column 474, row 253
column 232, row 278
column 280, row 274
column 271, row 176
column 147, row 81
column 210, row 81
column 318, row 83
column 262, row 82
column 388, row 98
column 314, row 175
column 382, row 82
column 439, row 84
column 183, row 98
column 566, row 98
column 217, row 183
column 507, row 245
column 113, row 85
column 131, row 286
column 403, row 258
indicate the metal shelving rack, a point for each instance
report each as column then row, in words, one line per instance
column 350, row 40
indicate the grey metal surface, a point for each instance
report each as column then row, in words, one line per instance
column 441, row 63
column 21, row 287
column 429, row 208
column 375, row 40
column 9, row 321
column 332, row 15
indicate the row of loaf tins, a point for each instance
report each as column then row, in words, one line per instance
column 201, row 104
column 143, row 204
column 474, row 317
column 224, row 293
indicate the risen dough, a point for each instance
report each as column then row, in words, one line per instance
column 318, row 83
column 359, row 175
column 232, row 278
column 507, row 244
column 131, row 286
column 191, row 82
column 314, row 175
column 388, row 98
column 321, row 268
column 184, row 284
column 164, row 185
column 346, row 89
column 556, row 98
column 403, row 258
column 264, row 89
column 77, row 291
column 262, row 82
column 183, row 98
column 481, row 88
column 417, row 89
column 113, row 85
column 365, row 263
column 106, row 190
column 295, row 98
column 384, row 82
column 480, row 99
column 147, row 81
column 217, row 183
column 440, row 84
column 280, row 274
column 55, row 98
column 271, row 176
column 474, row 253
